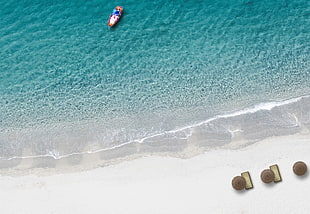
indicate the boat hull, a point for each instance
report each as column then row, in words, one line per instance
column 114, row 18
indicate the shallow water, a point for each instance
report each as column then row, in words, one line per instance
column 68, row 84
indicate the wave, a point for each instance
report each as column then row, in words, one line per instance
column 248, row 125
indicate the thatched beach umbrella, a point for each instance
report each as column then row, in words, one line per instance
column 300, row 168
column 238, row 183
column 267, row 176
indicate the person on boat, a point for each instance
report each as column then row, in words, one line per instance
column 115, row 12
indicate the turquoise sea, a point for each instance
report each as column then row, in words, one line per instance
column 170, row 74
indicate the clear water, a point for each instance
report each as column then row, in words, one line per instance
column 69, row 84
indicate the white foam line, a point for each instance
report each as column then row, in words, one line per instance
column 256, row 108
column 259, row 107
column 56, row 157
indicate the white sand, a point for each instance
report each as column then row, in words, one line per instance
column 169, row 185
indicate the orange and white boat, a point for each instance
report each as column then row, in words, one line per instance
column 115, row 16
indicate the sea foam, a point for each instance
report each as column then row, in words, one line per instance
column 249, row 125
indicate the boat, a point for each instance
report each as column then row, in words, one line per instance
column 115, row 16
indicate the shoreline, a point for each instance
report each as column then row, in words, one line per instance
column 239, row 129
column 89, row 162
column 157, row 184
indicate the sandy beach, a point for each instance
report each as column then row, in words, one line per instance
column 157, row 114
column 153, row 184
